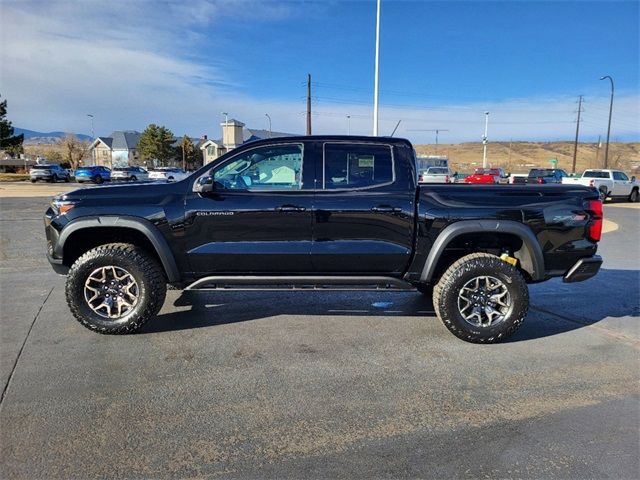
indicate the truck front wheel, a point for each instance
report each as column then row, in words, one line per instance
column 115, row 288
column 481, row 299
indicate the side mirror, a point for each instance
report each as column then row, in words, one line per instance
column 633, row 179
column 203, row 184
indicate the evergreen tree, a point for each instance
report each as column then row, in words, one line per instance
column 156, row 144
column 8, row 141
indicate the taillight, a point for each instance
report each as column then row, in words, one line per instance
column 421, row 179
column 592, row 183
column 446, row 179
column 540, row 180
column 594, row 229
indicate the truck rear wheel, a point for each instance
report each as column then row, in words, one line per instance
column 634, row 196
column 481, row 299
column 115, row 288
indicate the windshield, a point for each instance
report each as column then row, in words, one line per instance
column 42, row 167
column 84, row 169
column 486, row 171
column 438, row 171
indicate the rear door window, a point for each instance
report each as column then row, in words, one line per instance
column 355, row 166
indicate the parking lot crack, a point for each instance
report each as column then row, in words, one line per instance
column 15, row 364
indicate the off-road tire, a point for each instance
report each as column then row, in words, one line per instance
column 445, row 297
column 604, row 192
column 634, row 196
column 146, row 271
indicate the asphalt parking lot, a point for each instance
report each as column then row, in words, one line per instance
column 317, row 384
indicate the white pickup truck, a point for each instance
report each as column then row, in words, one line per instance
column 435, row 175
column 610, row 183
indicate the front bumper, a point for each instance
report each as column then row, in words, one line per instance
column 583, row 269
column 56, row 264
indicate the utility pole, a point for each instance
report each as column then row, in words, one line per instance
column 377, row 69
column 309, row 104
column 598, row 146
column 606, row 150
column 348, row 124
column 509, row 162
column 575, row 144
column 484, row 140
column 437, row 132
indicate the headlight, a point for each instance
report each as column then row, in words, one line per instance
column 60, row 207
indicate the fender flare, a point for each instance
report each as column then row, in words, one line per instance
column 142, row 225
column 531, row 258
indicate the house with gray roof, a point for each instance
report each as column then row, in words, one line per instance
column 118, row 150
column 234, row 134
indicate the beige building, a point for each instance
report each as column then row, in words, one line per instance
column 118, row 150
column 234, row 134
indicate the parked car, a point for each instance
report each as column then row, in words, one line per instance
column 170, row 174
column 487, row 176
column 95, row 174
column 131, row 174
column 321, row 211
column 518, row 178
column 546, row 175
column 436, row 175
column 49, row 173
column 610, row 183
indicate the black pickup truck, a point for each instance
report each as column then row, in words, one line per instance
column 321, row 212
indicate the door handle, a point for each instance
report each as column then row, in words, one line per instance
column 290, row 208
column 386, row 208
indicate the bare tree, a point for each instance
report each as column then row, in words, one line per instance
column 74, row 150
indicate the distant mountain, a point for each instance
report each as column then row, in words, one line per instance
column 32, row 137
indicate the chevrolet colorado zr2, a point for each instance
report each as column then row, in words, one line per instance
column 320, row 212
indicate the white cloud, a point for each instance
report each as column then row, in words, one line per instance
column 133, row 63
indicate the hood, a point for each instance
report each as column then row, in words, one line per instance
column 131, row 190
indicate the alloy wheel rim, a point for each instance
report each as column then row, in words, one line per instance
column 111, row 292
column 484, row 301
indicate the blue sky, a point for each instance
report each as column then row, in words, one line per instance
column 442, row 65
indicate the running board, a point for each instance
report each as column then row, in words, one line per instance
column 299, row 282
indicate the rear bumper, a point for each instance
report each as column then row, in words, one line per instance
column 583, row 269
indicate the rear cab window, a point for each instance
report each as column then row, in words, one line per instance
column 595, row 174
column 356, row 166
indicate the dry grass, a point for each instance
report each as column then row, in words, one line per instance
column 524, row 155
column 13, row 177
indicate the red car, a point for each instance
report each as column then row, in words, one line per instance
column 486, row 175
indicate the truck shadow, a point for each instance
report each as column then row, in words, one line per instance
column 556, row 307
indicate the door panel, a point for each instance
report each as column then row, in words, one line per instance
column 363, row 212
column 249, row 232
column 257, row 219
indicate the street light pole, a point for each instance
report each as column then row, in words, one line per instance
column 375, row 81
column 606, row 150
column 93, row 135
column 348, row 124
column 267, row 115
column 484, row 140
